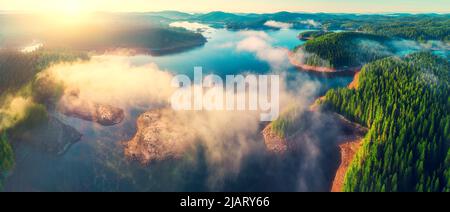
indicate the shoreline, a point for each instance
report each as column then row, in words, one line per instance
column 348, row 152
column 348, row 149
column 175, row 50
column 348, row 145
column 133, row 51
column 355, row 83
column 322, row 70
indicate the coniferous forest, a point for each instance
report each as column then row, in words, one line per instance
column 346, row 49
column 405, row 103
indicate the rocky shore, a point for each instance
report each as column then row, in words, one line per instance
column 348, row 151
column 159, row 137
column 105, row 115
column 274, row 143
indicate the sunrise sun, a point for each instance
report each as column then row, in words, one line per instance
column 69, row 12
column 71, row 7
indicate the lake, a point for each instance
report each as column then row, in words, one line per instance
column 97, row 162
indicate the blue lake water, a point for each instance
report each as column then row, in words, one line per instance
column 219, row 56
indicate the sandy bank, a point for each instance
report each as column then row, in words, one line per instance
column 348, row 151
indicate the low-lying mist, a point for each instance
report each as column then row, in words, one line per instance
column 259, row 43
column 228, row 145
column 13, row 109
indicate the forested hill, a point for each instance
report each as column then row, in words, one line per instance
column 142, row 32
column 309, row 35
column 346, row 49
column 420, row 28
column 406, row 104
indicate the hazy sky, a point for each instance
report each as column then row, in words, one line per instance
column 358, row 6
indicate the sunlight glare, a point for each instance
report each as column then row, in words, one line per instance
column 71, row 11
column 71, row 7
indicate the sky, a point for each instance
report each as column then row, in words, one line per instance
column 258, row 6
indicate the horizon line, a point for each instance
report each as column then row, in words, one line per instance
column 259, row 13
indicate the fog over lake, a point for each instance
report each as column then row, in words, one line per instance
column 97, row 162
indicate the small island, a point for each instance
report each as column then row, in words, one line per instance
column 341, row 53
column 310, row 35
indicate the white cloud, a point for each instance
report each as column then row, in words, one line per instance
column 410, row 45
column 113, row 80
column 193, row 26
column 277, row 24
column 260, row 44
column 32, row 47
column 12, row 110
column 311, row 23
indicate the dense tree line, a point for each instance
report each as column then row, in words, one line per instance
column 407, row 26
column 346, row 49
column 158, row 40
column 421, row 30
column 6, row 158
column 17, row 69
column 405, row 103
column 412, row 27
column 309, row 35
column 289, row 123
